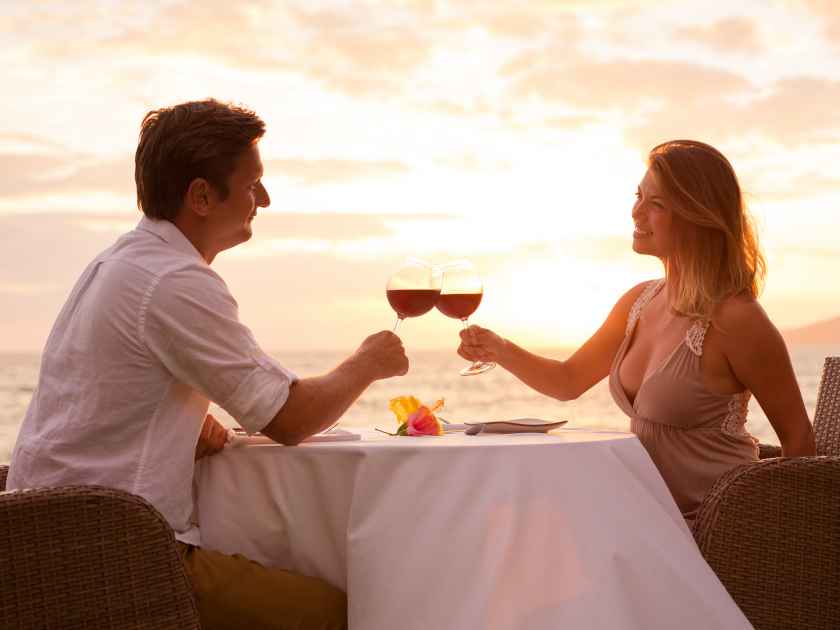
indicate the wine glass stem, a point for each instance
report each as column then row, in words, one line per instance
column 474, row 364
column 396, row 324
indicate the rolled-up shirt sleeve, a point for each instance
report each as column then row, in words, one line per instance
column 190, row 323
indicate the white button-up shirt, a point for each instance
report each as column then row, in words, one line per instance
column 149, row 335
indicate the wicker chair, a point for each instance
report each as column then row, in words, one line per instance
column 771, row 530
column 88, row 557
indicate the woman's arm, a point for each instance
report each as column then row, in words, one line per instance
column 759, row 359
column 563, row 380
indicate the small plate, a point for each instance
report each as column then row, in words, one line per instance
column 516, row 425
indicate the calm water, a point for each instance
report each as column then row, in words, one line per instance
column 495, row 394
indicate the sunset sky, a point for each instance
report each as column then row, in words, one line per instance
column 511, row 132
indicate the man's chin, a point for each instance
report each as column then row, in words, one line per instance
column 243, row 236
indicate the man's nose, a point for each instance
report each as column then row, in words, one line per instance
column 264, row 200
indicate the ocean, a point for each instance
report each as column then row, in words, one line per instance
column 433, row 374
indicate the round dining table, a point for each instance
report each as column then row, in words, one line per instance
column 570, row 529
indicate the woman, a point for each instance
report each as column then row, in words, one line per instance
column 684, row 353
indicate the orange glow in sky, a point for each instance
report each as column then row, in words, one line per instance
column 510, row 132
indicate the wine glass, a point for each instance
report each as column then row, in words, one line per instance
column 413, row 289
column 460, row 294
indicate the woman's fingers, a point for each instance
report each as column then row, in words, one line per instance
column 479, row 344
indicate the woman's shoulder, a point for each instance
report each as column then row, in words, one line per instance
column 739, row 317
column 631, row 302
column 645, row 288
column 738, row 310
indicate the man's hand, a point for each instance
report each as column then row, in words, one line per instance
column 383, row 355
column 212, row 439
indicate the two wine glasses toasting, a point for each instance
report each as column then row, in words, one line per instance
column 455, row 289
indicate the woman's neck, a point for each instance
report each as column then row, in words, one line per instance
column 671, row 289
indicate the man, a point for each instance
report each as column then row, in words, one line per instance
column 150, row 334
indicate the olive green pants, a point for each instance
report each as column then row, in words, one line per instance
column 235, row 592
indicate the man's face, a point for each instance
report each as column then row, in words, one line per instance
column 231, row 219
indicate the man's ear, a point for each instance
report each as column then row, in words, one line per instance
column 199, row 196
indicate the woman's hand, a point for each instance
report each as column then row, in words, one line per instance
column 212, row 439
column 481, row 344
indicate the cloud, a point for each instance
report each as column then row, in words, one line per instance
column 778, row 187
column 365, row 48
column 23, row 173
column 661, row 99
column 31, row 143
column 793, row 112
column 326, row 171
column 829, row 11
column 360, row 49
column 619, row 84
column 26, row 174
column 330, row 226
column 797, row 110
column 474, row 162
column 732, row 34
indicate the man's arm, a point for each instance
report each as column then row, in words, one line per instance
column 316, row 403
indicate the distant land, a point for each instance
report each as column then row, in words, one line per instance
column 823, row 332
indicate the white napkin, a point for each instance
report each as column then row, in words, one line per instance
column 240, row 438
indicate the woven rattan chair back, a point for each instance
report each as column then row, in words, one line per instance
column 4, row 472
column 770, row 532
column 827, row 414
column 89, row 557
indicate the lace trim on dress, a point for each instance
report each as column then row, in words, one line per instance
column 640, row 303
column 735, row 421
column 695, row 336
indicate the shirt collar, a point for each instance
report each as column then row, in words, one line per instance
column 169, row 232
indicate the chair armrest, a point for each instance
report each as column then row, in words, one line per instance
column 771, row 532
column 766, row 451
column 88, row 556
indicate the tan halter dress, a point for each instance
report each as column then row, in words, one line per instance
column 692, row 435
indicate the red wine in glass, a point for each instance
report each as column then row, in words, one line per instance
column 460, row 295
column 459, row 305
column 413, row 289
column 412, row 302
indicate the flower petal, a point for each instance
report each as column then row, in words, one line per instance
column 423, row 422
column 403, row 406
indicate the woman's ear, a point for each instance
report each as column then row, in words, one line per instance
column 199, row 197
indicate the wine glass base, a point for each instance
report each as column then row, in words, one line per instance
column 479, row 367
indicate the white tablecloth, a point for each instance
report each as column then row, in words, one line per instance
column 505, row 532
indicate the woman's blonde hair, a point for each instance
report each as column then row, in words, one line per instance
column 716, row 253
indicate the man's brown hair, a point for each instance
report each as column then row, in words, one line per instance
column 198, row 139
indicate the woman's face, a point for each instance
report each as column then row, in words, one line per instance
column 653, row 219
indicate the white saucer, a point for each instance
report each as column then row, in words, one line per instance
column 515, row 425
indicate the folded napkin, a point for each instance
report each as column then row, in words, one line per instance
column 237, row 437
